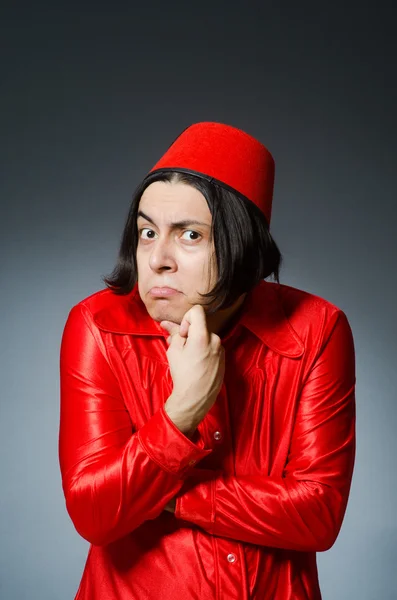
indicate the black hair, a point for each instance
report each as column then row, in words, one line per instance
column 245, row 251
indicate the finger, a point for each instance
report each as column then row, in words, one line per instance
column 166, row 325
column 175, row 328
column 169, row 326
column 197, row 320
column 171, row 337
column 176, row 341
column 184, row 328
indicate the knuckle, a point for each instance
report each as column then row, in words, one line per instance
column 216, row 341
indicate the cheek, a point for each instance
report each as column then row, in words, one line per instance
column 140, row 260
column 194, row 269
column 142, row 274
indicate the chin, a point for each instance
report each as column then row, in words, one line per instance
column 162, row 311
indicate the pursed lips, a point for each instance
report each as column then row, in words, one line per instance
column 163, row 291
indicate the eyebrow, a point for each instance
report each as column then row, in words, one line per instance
column 176, row 224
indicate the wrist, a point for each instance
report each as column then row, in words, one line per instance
column 185, row 423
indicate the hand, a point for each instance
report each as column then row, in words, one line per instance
column 197, row 365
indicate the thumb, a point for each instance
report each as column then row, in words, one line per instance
column 174, row 338
column 169, row 326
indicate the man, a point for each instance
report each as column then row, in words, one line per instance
column 207, row 426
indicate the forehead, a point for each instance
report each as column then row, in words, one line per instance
column 174, row 199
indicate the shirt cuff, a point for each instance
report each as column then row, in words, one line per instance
column 195, row 502
column 169, row 447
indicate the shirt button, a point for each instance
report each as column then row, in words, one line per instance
column 217, row 436
column 231, row 558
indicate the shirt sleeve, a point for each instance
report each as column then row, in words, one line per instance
column 303, row 509
column 113, row 478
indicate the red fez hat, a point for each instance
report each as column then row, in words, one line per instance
column 226, row 156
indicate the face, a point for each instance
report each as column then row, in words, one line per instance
column 174, row 249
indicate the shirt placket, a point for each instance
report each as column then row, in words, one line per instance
column 229, row 558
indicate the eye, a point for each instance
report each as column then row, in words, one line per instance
column 190, row 231
column 149, row 230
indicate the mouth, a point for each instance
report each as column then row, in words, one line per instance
column 163, row 292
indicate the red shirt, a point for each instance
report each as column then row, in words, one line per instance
column 261, row 487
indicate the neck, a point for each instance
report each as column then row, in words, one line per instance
column 221, row 320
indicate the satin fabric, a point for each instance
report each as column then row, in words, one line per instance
column 262, row 485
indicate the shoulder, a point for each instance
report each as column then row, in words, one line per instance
column 312, row 316
column 100, row 300
column 103, row 305
column 296, row 299
column 118, row 313
column 290, row 320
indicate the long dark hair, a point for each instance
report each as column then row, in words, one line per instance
column 245, row 251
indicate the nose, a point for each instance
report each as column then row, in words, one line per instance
column 162, row 256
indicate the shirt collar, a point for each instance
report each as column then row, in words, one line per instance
column 262, row 313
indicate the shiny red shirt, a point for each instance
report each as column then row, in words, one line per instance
column 261, row 487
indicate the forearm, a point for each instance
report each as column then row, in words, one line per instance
column 113, row 477
column 301, row 507
column 269, row 511
column 108, row 499
column 110, row 493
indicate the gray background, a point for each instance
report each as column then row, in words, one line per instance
column 90, row 99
